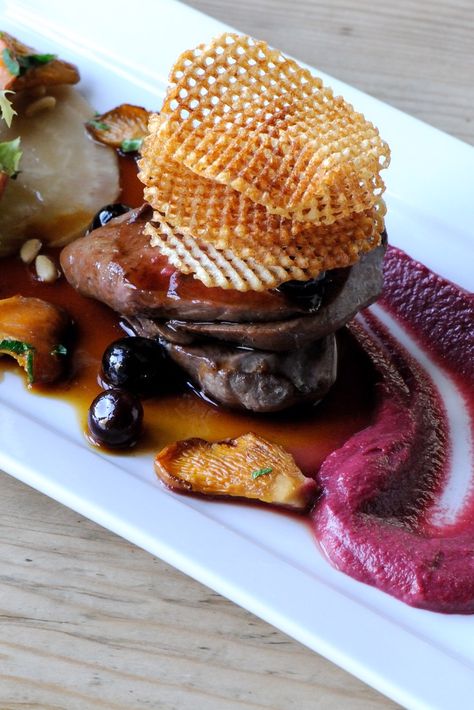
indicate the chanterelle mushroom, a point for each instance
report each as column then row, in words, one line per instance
column 33, row 331
column 246, row 467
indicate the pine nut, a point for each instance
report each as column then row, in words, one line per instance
column 46, row 103
column 30, row 250
column 45, row 269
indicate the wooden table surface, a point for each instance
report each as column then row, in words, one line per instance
column 90, row 621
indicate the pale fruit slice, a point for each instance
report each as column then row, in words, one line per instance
column 246, row 467
column 65, row 177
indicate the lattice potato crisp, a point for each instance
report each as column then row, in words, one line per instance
column 252, row 160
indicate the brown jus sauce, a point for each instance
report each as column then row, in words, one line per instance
column 378, row 444
column 310, row 433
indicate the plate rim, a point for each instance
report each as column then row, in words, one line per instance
column 402, row 684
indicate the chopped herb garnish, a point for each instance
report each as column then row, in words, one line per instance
column 6, row 109
column 261, row 472
column 59, row 350
column 17, row 347
column 29, row 364
column 19, row 64
column 35, row 60
column 10, row 155
column 10, row 62
column 131, row 145
column 98, row 125
column 30, row 61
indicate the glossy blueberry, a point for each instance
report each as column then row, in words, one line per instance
column 115, row 419
column 106, row 213
column 137, row 365
column 309, row 292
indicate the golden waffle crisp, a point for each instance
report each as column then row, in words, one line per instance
column 209, row 210
column 256, row 172
column 261, row 267
column 242, row 114
column 225, row 218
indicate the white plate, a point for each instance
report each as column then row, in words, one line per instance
column 261, row 561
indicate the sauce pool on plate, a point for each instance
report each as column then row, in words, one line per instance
column 310, row 434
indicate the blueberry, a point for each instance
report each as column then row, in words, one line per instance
column 310, row 293
column 115, row 419
column 106, row 213
column 137, row 365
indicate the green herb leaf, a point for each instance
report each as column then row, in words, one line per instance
column 131, row 145
column 10, row 155
column 18, row 347
column 10, row 62
column 98, row 125
column 30, row 61
column 6, row 109
column 261, row 472
column 19, row 64
column 29, row 365
column 35, row 60
column 59, row 350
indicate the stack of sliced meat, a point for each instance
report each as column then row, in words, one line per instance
column 260, row 351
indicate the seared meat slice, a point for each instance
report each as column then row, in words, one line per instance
column 116, row 265
column 340, row 304
column 259, row 381
column 262, row 352
column 153, row 328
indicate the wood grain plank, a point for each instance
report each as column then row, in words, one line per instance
column 414, row 55
column 90, row 621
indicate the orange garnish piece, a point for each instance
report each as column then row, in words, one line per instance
column 32, row 331
column 246, row 467
column 3, row 182
column 47, row 72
